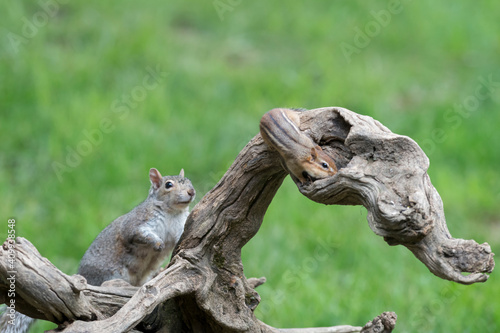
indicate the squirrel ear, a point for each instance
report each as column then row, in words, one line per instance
column 314, row 153
column 155, row 178
column 182, row 173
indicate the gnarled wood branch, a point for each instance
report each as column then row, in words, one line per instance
column 204, row 288
column 388, row 175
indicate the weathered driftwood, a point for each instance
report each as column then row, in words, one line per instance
column 63, row 299
column 204, row 288
column 44, row 292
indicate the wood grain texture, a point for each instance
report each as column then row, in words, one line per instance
column 204, row 288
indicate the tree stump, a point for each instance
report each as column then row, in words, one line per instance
column 203, row 289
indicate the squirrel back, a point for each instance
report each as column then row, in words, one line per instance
column 14, row 322
column 304, row 159
column 134, row 246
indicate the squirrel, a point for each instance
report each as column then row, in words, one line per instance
column 304, row 159
column 133, row 246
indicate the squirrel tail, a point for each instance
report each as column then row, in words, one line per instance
column 15, row 322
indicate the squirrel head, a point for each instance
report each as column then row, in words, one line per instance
column 171, row 193
column 320, row 165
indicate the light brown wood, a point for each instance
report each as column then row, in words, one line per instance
column 204, row 288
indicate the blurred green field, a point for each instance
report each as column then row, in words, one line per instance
column 93, row 94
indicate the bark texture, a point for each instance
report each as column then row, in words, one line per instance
column 204, row 288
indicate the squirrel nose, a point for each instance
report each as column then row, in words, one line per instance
column 191, row 192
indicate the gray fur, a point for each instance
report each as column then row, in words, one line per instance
column 134, row 245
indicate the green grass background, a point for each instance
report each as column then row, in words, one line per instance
column 225, row 67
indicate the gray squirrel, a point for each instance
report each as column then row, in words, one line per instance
column 134, row 246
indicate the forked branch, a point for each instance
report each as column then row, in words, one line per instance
column 204, row 288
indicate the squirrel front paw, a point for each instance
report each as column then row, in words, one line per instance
column 159, row 246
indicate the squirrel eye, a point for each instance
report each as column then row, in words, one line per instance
column 169, row 185
column 324, row 165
